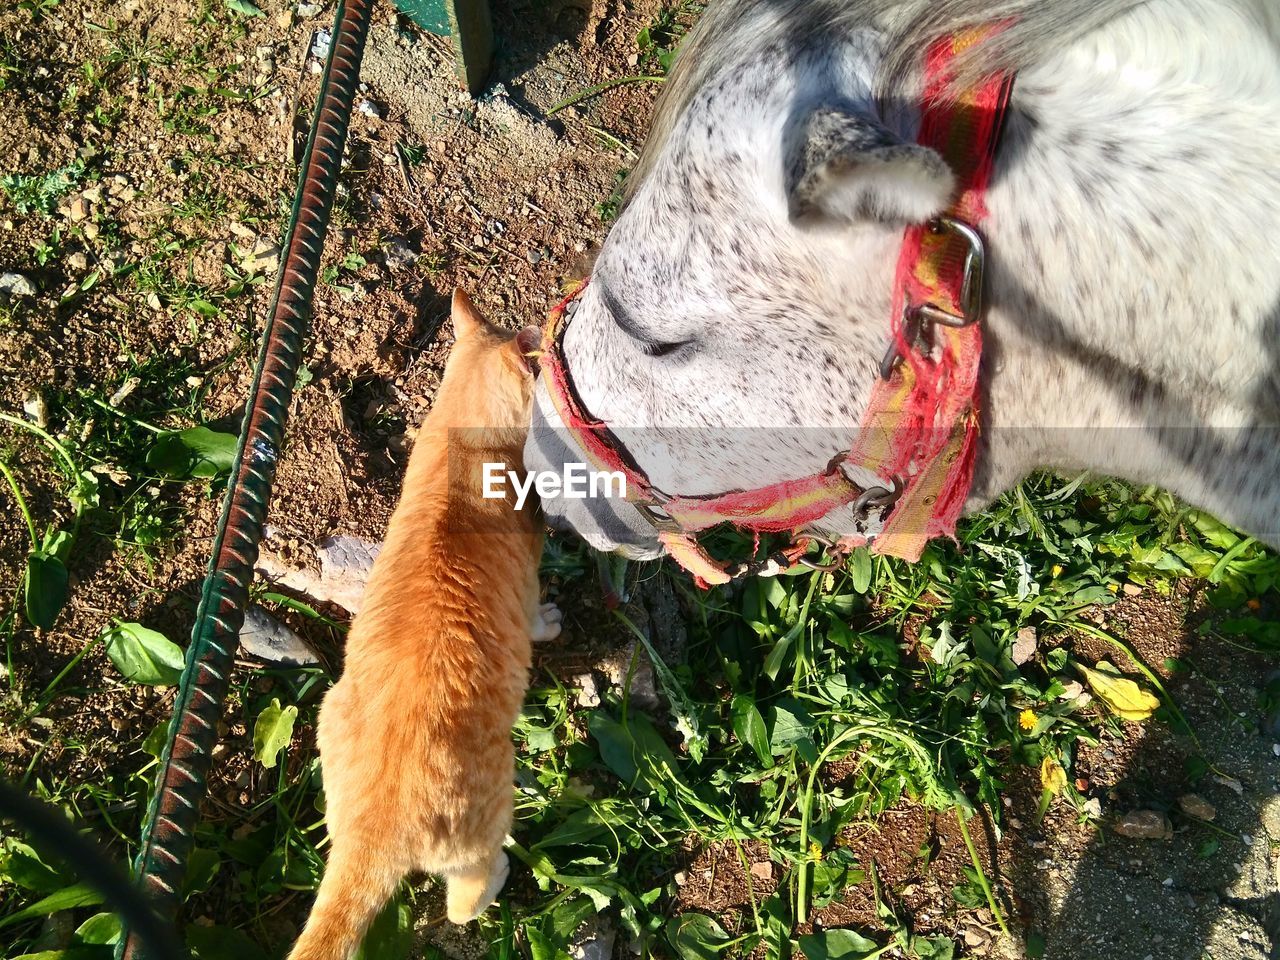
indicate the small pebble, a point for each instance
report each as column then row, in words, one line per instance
column 1024, row 647
column 398, row 255
column 36, row 410
column 265, row 637
column 588, row 691
column 1144, row 825
column 14, row 286
column 320, row 43
column 125, row 391
column 1194, row 805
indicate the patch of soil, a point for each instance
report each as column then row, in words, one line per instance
column 181, row 127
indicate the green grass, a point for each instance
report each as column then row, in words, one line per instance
column 657, row 43
column 782, row 678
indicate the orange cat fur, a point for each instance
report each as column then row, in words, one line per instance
column 415, row 738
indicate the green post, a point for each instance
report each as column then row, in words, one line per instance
column 470, row 25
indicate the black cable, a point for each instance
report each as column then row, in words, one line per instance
column 52, row 833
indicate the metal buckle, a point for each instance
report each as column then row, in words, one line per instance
column 658, row 518
column 918, row 319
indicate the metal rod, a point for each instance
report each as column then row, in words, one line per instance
column 168, row 830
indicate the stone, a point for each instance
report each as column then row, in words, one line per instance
column 345, row 564
column 1144, row 825
column 1024, row 647
column 1072, row 690
column 762, row 870
column 265, row 258
column 36, row 410
column 265, row 637
column 1194, row 805
column 369, row 109
column 643, row 690
column 398, row 255
column 320, row 43
column 588, row 691
column 14, row 286
column 308, row 10
column 1231, row 783
column 594, row 940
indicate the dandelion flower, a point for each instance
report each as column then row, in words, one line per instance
column 1027, row 720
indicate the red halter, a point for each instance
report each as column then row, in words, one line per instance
column 920, row 429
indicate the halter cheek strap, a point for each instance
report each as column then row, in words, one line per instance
column 921, row 425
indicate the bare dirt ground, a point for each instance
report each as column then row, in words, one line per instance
column 183, row 124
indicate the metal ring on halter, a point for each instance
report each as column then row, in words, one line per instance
column 822, row 567
column 917, row 319
column 877, row 498
column 833, row 548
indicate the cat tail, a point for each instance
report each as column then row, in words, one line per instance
column 472, row 891
column 354, row 889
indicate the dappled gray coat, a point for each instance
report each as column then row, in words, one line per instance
column 740, row 304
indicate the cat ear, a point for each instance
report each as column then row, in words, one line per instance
column 845, row 167
column 529, row 345
column 467, row 320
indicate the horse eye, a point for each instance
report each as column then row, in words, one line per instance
column 663, row 349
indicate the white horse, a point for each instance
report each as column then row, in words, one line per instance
column 733, row 328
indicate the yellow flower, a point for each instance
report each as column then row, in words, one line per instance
column 1027, row 720
column 1056, row 572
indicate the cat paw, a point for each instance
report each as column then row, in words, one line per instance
column 546, row 625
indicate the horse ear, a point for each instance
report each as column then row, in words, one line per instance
column 844, row 167
column 466, row 318
column 529, row 345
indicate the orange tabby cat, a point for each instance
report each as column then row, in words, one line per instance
column 415, row 739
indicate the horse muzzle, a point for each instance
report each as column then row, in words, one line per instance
column 574, row 497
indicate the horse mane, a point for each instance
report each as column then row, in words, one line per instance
column 731, row 30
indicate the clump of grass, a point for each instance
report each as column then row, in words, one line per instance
column 657, row 43
column 607, row 209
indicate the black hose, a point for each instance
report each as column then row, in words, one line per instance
column 53, row 835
